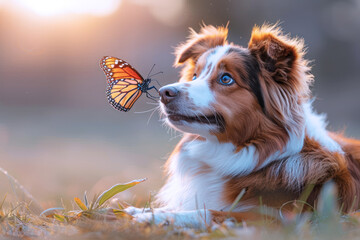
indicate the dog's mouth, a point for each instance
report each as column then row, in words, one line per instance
column 215, row 119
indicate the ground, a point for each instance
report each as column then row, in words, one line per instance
column 103, row 219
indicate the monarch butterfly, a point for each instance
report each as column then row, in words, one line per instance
column 125, row 84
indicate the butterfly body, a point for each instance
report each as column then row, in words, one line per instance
column 125, row 84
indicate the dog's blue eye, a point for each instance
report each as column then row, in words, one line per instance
column 226, row 79
column 194, row 77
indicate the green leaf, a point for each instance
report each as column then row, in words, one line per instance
column 59, row 217
column 80, row 204
column 115, row 190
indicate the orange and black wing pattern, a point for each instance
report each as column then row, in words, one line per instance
column 115, row 68
column 124, row 83
column 123, row 93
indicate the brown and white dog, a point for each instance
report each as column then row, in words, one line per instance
column 248, row 124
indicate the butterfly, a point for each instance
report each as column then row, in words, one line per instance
column 125, row 84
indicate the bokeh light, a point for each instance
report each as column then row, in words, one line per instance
column 168, row 12
column 63, row 7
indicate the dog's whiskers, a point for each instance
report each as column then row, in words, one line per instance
column 152, row 103
column 176, row 136
column 152, row 109
column 152, row 113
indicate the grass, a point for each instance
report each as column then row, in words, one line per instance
column 97, row 219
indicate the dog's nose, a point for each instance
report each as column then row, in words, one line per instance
column 168, row 93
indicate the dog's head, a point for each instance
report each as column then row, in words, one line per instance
column 234, row 92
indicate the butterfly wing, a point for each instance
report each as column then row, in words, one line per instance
column 115, row 68
column 123, row 93
column 124, row 82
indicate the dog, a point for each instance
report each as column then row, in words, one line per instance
column 249, row 129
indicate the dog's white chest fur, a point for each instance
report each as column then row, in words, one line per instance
column 197, row 175
column 192, row 181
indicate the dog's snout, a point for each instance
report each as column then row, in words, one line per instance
column 168, row 93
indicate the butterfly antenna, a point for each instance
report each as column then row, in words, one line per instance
column 150, row 71
column 155, row 74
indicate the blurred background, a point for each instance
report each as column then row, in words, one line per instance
column 58, row 135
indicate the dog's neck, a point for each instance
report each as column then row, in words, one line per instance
column 228, row 159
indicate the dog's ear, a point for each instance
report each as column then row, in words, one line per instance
column 275, row 52
column 198, row 43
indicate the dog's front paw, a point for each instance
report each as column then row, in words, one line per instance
column 147, row 215
column 193, row 219
column 134, row 210
column 150, row 217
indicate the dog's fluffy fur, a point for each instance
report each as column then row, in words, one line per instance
column 258, row 133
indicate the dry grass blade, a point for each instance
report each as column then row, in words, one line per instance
column 51, row 211
column 2, row 203
column 115, row 190
column 80, row 204
column 304, row 196
column 237, row 199
column 86, row 200
column 25, row 195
